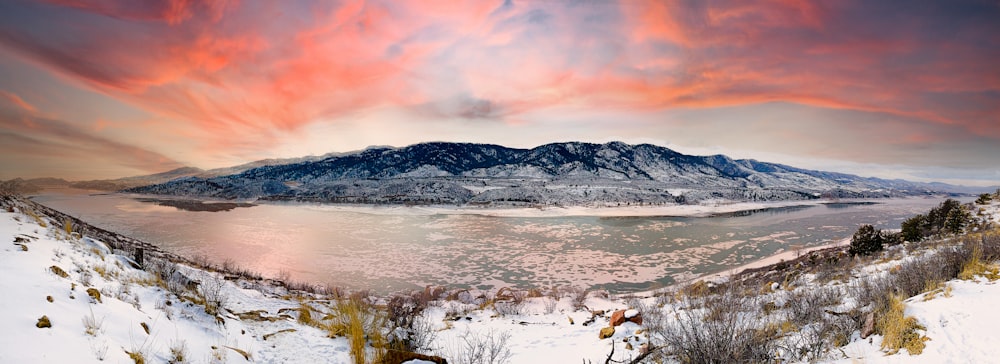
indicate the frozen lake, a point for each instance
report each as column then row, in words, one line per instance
column 399, row 250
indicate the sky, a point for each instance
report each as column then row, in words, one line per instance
column 93, row 89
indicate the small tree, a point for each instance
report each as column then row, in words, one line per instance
column 913, row 228
column 957, row 220
column 984, row 199
column 866, row 240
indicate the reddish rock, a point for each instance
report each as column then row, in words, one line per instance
column 619, row 317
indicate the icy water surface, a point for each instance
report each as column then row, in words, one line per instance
column 401, row 251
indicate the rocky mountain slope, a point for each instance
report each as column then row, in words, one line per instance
column 570, row 173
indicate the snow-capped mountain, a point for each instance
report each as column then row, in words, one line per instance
column 569, row 173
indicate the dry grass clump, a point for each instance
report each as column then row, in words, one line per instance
column 91, row 325
column 58, row 271
column 37, row 218
column 362, row 323
column 696, row 289
column 137, row 357
column 95, row 294
column 305, row 315
column 976, row 266
column 898, row 330
column 68, row 227
column 178, row 352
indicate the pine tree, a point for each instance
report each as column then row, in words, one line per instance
column 956, row 221
column 866, row 240
column 914, row 228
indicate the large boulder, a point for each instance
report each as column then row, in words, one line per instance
column 621, row 316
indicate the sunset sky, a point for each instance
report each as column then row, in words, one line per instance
column 112, row 88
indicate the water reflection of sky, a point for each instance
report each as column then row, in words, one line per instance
column 389, row 252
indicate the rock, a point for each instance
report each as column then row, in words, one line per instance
column 621, row 316
column 570, row 320
column 43, row 322
column 400, row 357
column 869, row 327
column 628, row 346
column 607, row 332
column 617, row 318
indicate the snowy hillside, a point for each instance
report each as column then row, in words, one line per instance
column 572, row 173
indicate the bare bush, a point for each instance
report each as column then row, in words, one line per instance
column 816, row 339
column 550, row 304
column 492, row 347
column 404, row 313
column 422, row 334
column 213, row 292
column 507, row 301
column 807, row 306
column 721, row 332
column 922, row 274
column 162, row 268
column 579, row 296
column 989, row 245
column 872, row 291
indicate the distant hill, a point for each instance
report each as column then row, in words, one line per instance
column 571, row 173
column 127, row 182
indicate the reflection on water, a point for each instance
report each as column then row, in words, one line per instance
column 195, row 205
column 392, row 252
column 770, row 211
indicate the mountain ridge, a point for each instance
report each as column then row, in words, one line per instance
column 566, row 173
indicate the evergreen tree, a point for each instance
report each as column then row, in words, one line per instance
column 957, row 220
column 984, row 199
column 866, row 240
column 914, row 228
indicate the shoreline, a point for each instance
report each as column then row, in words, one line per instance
column 706, row 209
column 769, row 261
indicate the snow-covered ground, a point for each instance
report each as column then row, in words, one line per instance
column 962, row 328
column 128, row 300
column 552, row 328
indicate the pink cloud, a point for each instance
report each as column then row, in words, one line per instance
column 245, row 72
column 17, row 100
